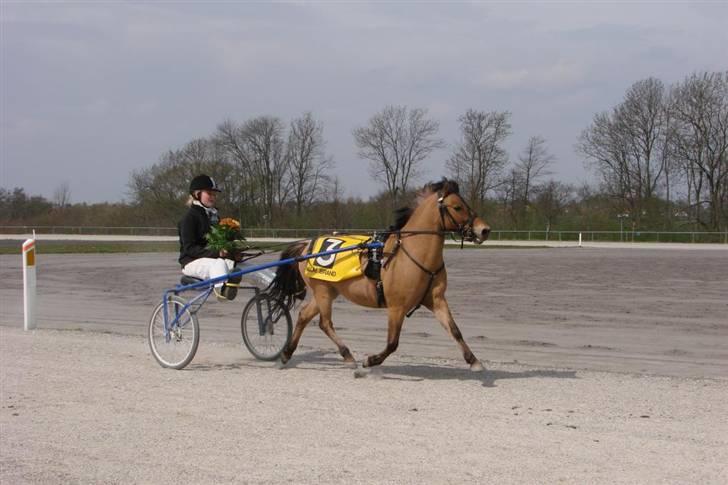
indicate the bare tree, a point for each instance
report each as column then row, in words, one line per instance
column 643, row 115
column 62, row 195
column 230, row 138
column 700, row 110
column 479, row 157
column 257, row 150
column 533, row 164
column 264, row 138
column 308, row 165
column 396, row 141
column 509, row 194
column 334, row 208
column 625, row 146
column 551, row 200
column 162, row 188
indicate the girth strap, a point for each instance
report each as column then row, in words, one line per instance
column 381, row 300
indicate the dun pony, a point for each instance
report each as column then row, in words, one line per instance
column 413, row 274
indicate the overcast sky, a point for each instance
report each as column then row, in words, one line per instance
column 94, row 90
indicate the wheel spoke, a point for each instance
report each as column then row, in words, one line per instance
column 268, row 343
column 177, row 349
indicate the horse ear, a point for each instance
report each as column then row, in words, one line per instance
column 450, row 187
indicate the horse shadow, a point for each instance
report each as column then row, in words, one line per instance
column 488, row 377
column 324, row 361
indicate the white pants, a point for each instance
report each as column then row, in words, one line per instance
column 208, row 268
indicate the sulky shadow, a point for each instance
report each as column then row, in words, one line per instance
column 316, row 358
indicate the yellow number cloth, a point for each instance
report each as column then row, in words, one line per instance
column 339, row 266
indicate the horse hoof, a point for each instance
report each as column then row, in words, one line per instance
column 359, row 373
column 477, row 366
column 280, row 364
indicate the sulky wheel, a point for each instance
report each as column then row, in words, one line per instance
column 176, row 349
column 266, row 326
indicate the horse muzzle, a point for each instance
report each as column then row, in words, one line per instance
column 479, row 232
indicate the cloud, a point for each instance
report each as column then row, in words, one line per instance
column 84, row 79
column 560, row 74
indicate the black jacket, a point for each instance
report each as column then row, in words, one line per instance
column 192, row 229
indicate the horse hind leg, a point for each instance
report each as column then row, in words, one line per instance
column 441, row 309
column 305, row 316
column 326, row 300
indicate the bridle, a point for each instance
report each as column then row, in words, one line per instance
column 465, row 229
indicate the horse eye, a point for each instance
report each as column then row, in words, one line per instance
column 457, row 208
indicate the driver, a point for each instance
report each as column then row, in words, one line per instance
column 196, row 258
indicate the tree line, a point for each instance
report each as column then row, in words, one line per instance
column 660, row 157
column 661, row 144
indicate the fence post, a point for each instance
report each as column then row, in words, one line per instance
column 29, row 283
column 579, row 239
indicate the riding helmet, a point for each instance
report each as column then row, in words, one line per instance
column 203, row 182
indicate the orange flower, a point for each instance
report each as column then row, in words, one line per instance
column 230, row 222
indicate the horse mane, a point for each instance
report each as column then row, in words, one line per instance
column 401, row 216
column 444, row 186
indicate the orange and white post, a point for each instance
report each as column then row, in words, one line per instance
column 29, row 293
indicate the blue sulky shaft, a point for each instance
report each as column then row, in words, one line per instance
column 243, row 271
column 281, row 262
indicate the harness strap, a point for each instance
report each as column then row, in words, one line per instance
column 431, row 274
column 381, row 300
column 380, row 287
column 394, row 251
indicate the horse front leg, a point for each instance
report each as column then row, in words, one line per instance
column 395, row 318
column 438, row 305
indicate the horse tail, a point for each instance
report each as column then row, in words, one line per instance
column 288, row 284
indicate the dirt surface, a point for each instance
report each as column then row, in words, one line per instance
column 602, row 365
column 661, row 312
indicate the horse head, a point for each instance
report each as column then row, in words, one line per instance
column 456, row 215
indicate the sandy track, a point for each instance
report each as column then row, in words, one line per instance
column 623, row 358
column 658, row 312
column 92, row 408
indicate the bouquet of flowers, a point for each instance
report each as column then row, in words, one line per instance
column 226, row 235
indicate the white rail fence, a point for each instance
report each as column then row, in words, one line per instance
column 496, row 235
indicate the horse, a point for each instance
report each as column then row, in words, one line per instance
column 413, row 274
